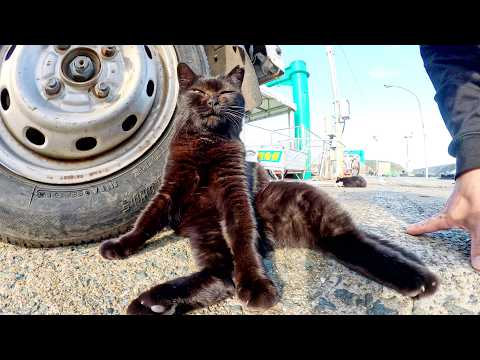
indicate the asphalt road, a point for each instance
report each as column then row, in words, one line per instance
column 76, row 280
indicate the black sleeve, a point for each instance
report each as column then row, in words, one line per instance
column 455, row 75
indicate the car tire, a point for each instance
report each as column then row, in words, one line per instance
column 34, row 214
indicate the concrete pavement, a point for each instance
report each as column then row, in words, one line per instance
column 76, row 280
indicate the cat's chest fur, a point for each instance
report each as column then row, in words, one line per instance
column 206, row 155
column 206, row 151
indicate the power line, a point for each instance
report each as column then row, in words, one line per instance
column 265, row 129
column 359, row 88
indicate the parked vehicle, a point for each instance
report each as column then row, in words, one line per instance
column 282, row 161
column 448, row 174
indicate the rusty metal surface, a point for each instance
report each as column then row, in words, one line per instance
column 223, row 58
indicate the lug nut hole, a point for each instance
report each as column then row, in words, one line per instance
column 150, row 88
column 129, row 123
column 147, row 50
column 35, row 136
column 10, row 52
column 86, row 143
column 5, row 99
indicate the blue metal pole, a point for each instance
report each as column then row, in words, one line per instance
column 296, row 76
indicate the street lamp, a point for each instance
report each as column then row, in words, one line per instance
column 421, row 119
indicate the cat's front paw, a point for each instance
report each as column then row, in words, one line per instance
column 259, row 293
column 114, row 250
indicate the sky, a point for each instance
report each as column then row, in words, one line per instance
column 389, row 114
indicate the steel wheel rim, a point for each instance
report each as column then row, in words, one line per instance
column 60, row 159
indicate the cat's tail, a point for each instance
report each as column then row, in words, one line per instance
column 293, row 214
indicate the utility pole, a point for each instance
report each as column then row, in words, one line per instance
column 375, row 137
column 337, row 129
column 407, row 137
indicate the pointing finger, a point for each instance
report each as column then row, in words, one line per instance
column 435, row 223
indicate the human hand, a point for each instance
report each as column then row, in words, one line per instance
column 462, row 210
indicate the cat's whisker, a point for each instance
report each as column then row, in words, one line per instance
column 230, row 118
column 234, row 121
column 233, row 107
column 230, row 108
column 233, row 115
column 236, row 116
column 234, row 110
column 240, row 116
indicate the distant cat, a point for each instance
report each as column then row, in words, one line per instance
column 352, row 181
column 233, row 214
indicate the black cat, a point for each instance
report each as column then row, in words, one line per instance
column 233, row 214
column 352, row 181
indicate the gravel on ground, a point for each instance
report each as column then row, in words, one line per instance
column 77, row 280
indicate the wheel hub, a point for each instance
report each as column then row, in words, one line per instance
column 77, row 113
column 81, row 69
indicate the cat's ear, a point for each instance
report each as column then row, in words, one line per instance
column 236, row 75
column 186, row 76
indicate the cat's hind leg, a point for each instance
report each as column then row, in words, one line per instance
column 210, row 285
column 395, row 247
column 300, row 215
column 382, row 262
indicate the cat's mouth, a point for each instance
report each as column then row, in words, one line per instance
column 212, row 120
column 211, row 115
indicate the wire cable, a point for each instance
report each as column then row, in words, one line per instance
column 359, row 88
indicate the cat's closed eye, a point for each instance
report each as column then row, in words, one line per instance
column 227, row 92
column 198, row 91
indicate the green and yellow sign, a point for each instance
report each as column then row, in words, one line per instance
column 269, row 155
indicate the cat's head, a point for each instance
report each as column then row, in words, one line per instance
column 217, row 101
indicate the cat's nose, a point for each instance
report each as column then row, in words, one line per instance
column 212, row 102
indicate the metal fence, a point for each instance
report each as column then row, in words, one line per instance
column 322, row 164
